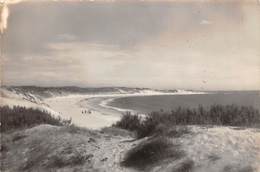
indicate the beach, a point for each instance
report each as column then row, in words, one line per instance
column 93, row 111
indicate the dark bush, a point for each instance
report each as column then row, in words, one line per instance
column 129, row 122
column 3, row 148
column 151, row 152
column 21, row 117
column 18, row 137
column 186, row 166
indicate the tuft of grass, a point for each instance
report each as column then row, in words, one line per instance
column 3, row 148
column 18, row 137
column 178, row 131
column 45, row 157
column 232, row 168
column 129, row 122
column 74, row 160
column 186, row 166
column 34, row 159
column 246, row 169
column 21, row 117
column 151, row 152
column 73, row 129
column 213, row 158
column 116, row 131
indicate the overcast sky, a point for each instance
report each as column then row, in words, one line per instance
column 188, row 45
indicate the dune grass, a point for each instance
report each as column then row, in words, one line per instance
column 222, row 115
column 158, row 128
column 21, row 117
column 186, row 166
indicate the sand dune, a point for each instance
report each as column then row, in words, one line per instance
column 214, row 149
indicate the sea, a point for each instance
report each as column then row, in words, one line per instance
column 147, row 104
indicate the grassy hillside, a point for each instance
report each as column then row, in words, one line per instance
column 21, row 117
column 44, row 92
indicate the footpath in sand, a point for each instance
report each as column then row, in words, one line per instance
column 51, row 148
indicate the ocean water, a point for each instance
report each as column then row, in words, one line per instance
column 147, row 104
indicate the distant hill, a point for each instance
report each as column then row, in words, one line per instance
column 45, row 92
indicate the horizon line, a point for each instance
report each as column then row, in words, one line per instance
column 64, row 86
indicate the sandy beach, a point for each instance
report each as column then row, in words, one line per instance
column 92, row 111
column 85, row 110
column 82, row 114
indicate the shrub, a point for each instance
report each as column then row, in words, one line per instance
column 116, row 131
column 3, row 148
column 186, row 166
column 74, row 159
column 21, row 117
column 151, row 152
column 129, row 122
column 18, row 137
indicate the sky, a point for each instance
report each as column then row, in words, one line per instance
column 200, row 45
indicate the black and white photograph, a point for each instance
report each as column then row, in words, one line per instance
column 130, row 85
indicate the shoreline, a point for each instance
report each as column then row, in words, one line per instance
column 92, row 111
column 105, row 100
column 86, row 110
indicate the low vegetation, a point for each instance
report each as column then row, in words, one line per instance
column 21, row 117
column 113, row 131
column 186, row 166
column 159, row 128
column 48, row 148
column 130, row 122
column 161, row 122
column 150, row 152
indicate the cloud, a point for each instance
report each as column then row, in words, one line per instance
column 107, row 23
column 146, row 45
column 206, row 22
column 79, row 63
column 65, row 37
